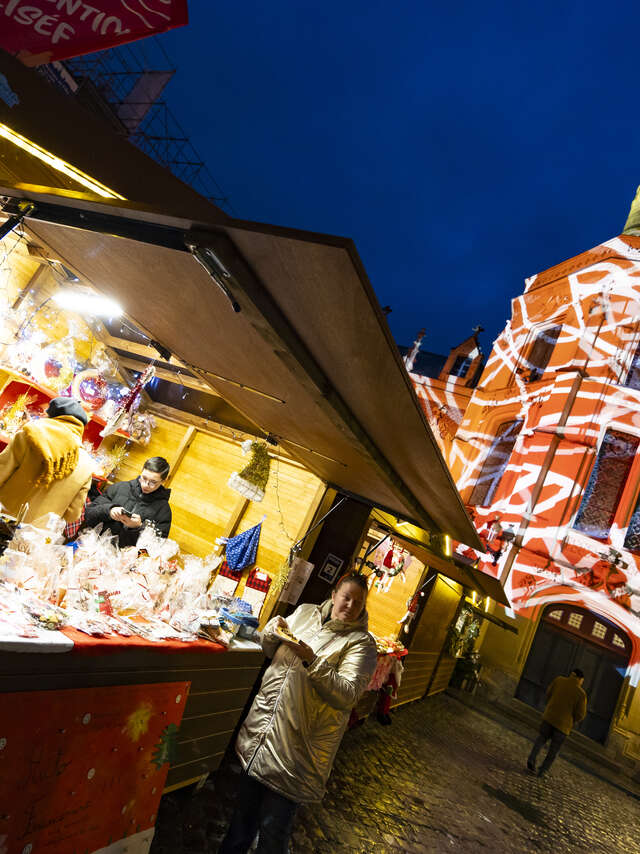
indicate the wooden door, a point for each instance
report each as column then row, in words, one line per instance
column 569, row 637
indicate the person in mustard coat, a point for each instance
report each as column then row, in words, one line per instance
column 291, row 735
column 45, row 466
column 566, row 707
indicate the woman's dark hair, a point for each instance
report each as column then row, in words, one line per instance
column 353, row 578
column 158, row 465
column 577, row 672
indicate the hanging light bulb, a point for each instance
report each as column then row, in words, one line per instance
column 85, row 302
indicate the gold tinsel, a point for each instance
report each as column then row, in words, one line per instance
column 13, row 416
column 115, row 456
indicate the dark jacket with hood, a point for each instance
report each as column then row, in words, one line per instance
column 153, row 508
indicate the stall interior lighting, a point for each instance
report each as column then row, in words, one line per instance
column 83, row 302
column 58, row 164
column 447, row 545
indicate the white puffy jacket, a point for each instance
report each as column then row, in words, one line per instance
column 290, row 737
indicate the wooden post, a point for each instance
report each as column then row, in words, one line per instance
column 187, row 439
column 33, row 283
column 236, row 516
column 230, row 528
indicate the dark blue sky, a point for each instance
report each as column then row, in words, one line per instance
column 462, row 146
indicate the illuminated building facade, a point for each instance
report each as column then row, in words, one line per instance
column 545, row 451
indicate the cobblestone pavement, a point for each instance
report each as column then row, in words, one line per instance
column 442, row 778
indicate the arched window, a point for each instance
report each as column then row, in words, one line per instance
column 541, row 351
column 608, row 477
column 495, row 463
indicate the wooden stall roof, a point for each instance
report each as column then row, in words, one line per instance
column 308, row 357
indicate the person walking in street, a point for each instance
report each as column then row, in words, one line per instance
column 566, row 707
column 45, row 466
column 125, row 508
column 323, row 659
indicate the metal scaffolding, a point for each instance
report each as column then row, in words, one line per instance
column 126, row 85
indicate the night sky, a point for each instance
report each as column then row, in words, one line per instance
column 463, row 146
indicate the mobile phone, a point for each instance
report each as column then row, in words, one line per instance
column 125, row 512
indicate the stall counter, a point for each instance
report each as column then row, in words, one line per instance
column 219, row 682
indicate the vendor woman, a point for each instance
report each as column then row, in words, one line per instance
column 125, row 508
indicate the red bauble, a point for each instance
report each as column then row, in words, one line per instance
column 93, row 392
column 52, row 368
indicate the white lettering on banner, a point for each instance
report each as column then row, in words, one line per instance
column 117, row 24
column 97, row 21
column 55, row 29
column 87, row 11
column 27, row 15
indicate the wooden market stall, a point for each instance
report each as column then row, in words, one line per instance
column 418, row 605
column 282, row 334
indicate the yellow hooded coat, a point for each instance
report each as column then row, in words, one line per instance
column 45, row 466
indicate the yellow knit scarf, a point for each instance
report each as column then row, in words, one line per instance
column 54, row 442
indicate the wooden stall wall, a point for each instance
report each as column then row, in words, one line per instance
column 426, row 661
column 205, row 508
column 387, row 609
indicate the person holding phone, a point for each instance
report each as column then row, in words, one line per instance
column 125, row 508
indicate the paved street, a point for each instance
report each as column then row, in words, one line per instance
column 442, row 778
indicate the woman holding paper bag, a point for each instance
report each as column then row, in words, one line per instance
column 323, row 659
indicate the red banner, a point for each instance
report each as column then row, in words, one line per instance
column 40, row 31
column 83, row 768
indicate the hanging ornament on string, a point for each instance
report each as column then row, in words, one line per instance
column 91, row 388
column 53, row 367
column 126, row 408
column 393, row 563
column 251, row 482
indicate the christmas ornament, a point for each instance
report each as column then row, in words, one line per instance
column 251, row 482
column 53, row 366
column 389, row 564
column 89, row 387
column 412, row 610
column 128, row 402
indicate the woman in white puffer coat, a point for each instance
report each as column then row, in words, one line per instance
column 290, row 737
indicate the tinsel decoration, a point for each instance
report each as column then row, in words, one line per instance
column 16, row 414
column 251, row 482
column 116, row 456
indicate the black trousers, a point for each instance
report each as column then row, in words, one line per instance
column 547, row 733
column 261, row 809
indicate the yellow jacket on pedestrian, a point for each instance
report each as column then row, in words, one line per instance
column 45, row 466
column 294, row 727
column 566, row 703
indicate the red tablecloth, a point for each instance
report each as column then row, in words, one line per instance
column 89, row 645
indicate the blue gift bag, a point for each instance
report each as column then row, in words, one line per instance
column 242, row 549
